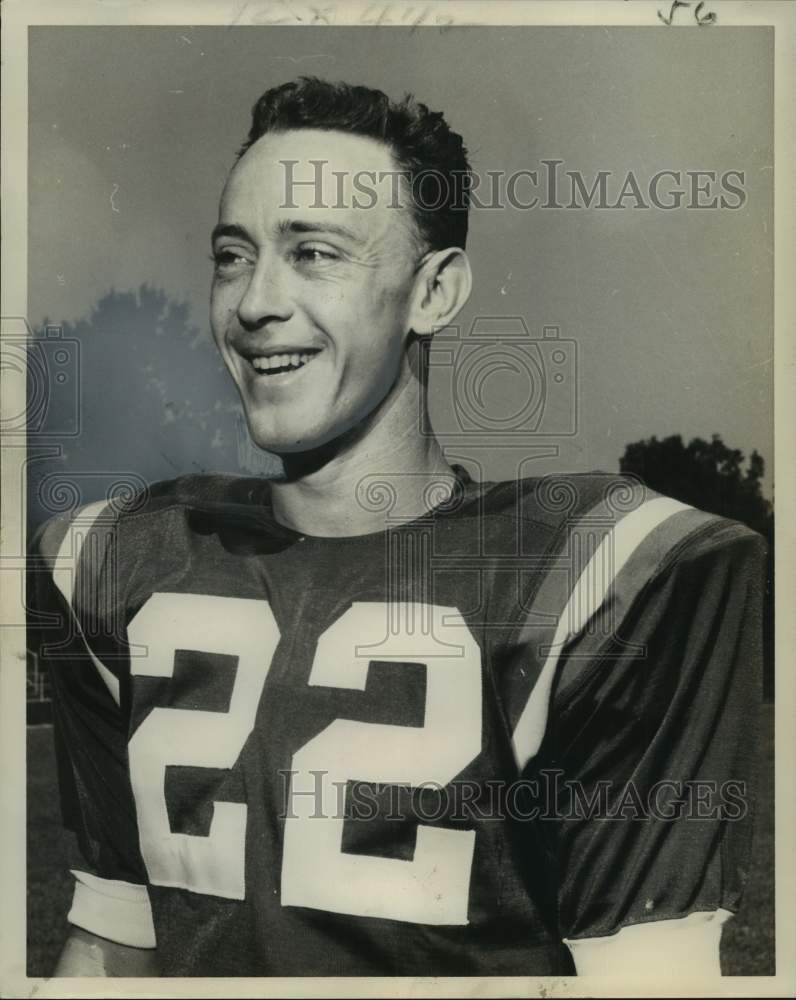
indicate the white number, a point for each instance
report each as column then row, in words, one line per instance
column 433, row 888
column 213, row 864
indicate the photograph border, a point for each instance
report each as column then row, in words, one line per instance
column 18, row 16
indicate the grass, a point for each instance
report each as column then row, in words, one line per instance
column 747, row 947
column 747, row 944
column 49, row 882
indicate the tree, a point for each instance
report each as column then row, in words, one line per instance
column 705, row 474
column 154, row 402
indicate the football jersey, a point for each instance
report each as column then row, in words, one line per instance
column 525, row 717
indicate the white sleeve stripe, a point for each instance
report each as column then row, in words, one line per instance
column 683, row 946
column 117, row 911
column 586, row 598
column 65, row 570
column 68, row 556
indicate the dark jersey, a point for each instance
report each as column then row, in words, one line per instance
column 525, row 717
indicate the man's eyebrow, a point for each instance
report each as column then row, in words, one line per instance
column 319, row 226
column 231, row 229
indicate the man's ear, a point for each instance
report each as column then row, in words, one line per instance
column 442, row 287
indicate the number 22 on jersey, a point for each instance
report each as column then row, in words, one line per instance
column 433, row 887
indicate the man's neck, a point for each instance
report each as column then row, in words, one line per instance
column 383, row 472
column 365, row 491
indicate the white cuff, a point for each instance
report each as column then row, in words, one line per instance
column 118, row 911
column 684, row 946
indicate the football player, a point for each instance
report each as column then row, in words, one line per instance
column 375, row 717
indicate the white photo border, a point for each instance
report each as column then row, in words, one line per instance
column 18, row 16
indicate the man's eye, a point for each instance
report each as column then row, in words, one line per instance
column 314, row 255
column 228, row 260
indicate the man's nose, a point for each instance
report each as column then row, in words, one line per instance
column 266, row 298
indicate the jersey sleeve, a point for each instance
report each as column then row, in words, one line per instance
column 70, row 611
column 651, row 743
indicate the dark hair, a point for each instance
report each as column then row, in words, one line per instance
column 423, row 145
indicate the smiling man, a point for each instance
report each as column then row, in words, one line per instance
column 373, row 717
column 319, row 301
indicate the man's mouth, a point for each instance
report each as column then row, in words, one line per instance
column 278, row 364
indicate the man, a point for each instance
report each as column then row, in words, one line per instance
column 373, row 717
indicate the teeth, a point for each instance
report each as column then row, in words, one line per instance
column 280, row 361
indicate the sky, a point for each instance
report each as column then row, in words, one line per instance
column 665, row 317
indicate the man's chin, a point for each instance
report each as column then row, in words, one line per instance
column 302, row 455
column 284, row 443
column 310, row 438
